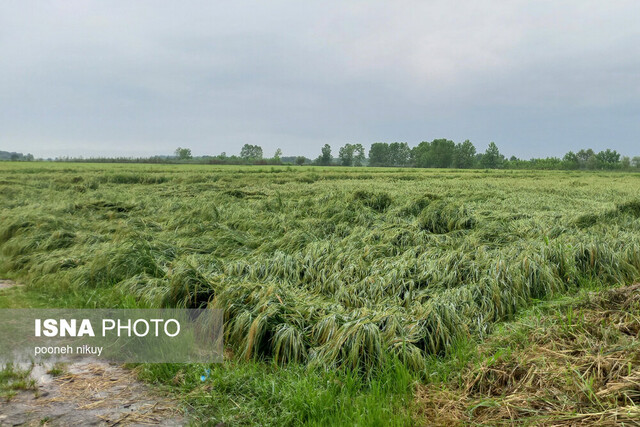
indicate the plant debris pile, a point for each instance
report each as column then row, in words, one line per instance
column 577, row 366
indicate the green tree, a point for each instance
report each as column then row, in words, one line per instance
column 183, row 153
column 464, row 155
column 435, row 154
column 420, row 155
column 379, row 154
column 325, row 158
column 570, row 161
column 358, row 155
column 277, row 155
column 300, row 160
column 399, row 154
column 592, row 162
column 251, row 152
column 346, row 155
column 584, row 156
column 492, row 159
column 608, row 159
column 636, row 162
column 442, row 153
column 625, row 163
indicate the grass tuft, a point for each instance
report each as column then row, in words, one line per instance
column 443, row 217
column 378, row 201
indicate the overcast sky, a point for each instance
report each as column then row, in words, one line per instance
column 134, row 78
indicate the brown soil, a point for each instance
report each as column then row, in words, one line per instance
column 89, row 394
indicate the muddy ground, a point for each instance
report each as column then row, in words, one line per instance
column 89, row 394
column 93, row 393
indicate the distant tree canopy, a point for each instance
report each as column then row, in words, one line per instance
column 325, row 158
column 352, row 155
column 359, row 156
column 571, row 160
column 15, row 157
column 251, row 152
column 625, row 162
column 464, row 155
column 608, row 158
column 492, row 159
column 435, row 154
column 346, row 155
column 589, row 159
column 583, row 159
column 379, row 154
column 183, row 153
column 444, row 153
column 394, row 154
column 439, row 153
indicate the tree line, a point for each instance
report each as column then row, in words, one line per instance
column 439, row 153
column 444, row 153
column 16, row 157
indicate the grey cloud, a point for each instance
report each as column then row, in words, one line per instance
column 140, row 78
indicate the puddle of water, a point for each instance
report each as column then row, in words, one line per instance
column 40, row 375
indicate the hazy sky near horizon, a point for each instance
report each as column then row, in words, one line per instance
column 138, row 78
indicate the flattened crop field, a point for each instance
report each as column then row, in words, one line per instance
column 336, row 266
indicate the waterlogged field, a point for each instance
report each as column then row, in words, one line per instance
column 348, row 268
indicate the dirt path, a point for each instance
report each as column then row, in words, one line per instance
column 4, row 284
column 91, row 394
